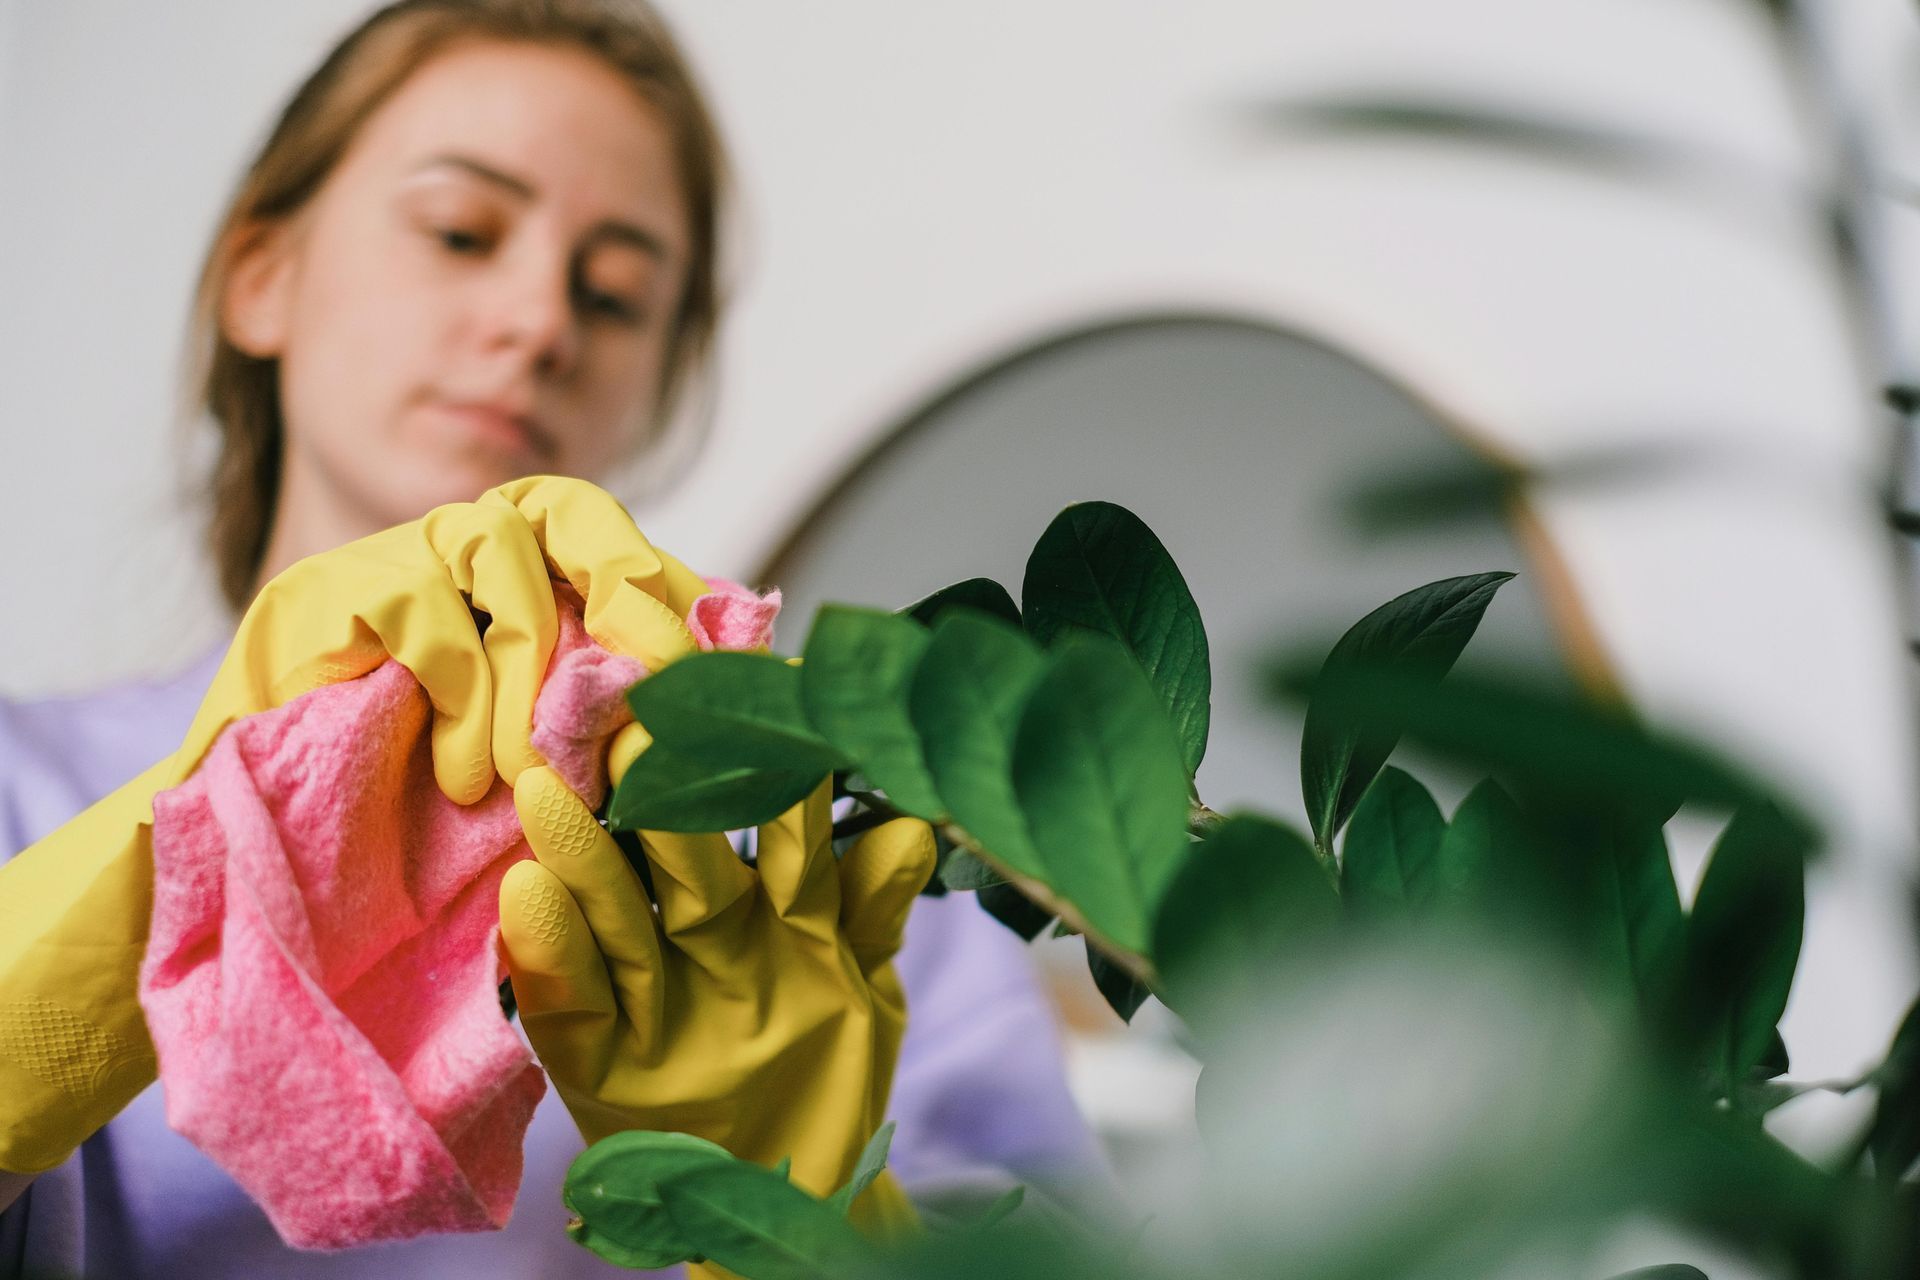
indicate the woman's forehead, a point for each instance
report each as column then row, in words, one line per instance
column 565, row 126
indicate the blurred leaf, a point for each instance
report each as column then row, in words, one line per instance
column 854, row 682
column 1476, row 489
column 1744, row 939
column 613, row 1188
column 983, row 594
column 1098, row 774
column 732, row 746
column 785, row 1168
column 752, row 1221
column 1123, row 992
column 999, row 1209
column 1246, row 897
column 1637, row 927
column 1022, row 1248
column 963, row 872
column 1894, row 1138
column 1417, row 636
column 1523, row 134
column 873, row 1158
column 1668, row 1271
column 1387, row 860
column 1487, row 854
column 1015, row 910
column 1099, row 568
column 965, row 703
column 1576, row 755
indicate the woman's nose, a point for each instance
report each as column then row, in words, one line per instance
column 534, row 317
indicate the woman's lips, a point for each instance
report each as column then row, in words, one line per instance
column 514, row 433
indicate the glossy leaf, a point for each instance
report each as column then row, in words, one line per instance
column 613, row 1189
column 1417, row 636
column 1388, row 858
column 1123, row 992
column 873, row 1158
column 983, row 594
column 858, row 669
column 1744, row 939
column 663, row 791
column 732, row 746
column 1248, row 895
column 965, row 704
column 754, row 1222
column 1099, row 568
column 1666, row 1271
column 1097, row 771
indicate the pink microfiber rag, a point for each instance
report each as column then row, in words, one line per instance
column 321, row 977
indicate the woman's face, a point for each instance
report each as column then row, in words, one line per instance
column 480, row 290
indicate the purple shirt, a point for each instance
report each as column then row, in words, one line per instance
column 980, row 1095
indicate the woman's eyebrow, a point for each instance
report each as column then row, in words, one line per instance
column 606, row 229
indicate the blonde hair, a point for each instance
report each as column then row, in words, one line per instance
column 240, row 393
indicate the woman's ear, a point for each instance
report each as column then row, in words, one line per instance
column 256, row 306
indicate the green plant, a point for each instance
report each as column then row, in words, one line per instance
column 1512, row 999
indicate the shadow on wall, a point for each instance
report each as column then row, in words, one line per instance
column 1242, row 444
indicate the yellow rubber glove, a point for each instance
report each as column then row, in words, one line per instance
column 74, row 906
column 759, row 1008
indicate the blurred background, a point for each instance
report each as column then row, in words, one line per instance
column 1252, row 270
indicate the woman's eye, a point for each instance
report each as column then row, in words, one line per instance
column 610, row 305
column 462, row 242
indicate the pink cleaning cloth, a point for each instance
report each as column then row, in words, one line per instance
column 321, row 977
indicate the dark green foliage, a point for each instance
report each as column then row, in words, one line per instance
column 1417, row 636
column 1123, row 992
column 1099, row 568
column 1744, row 941
column 1250, row 896
column 983, row 594
column 1015, row 910
column 1390, row 856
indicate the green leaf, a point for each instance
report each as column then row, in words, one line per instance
column 1566, row 749
column 873, row 1158
column 785, row 1168
column 1097, row 771
column 1014, row 910
column 1894, row 1138
column 854, row 679
column 1417, row 635
column 1249, row 896
column 963, row 872
column 1123, row 992
column 662, row 791
column 732, row 746
column 965, row 704
column 1637, row 927
column 999, row 1209
column 1744, row 939
column 983, row 594
column 754, row 1222
column 1485, row 851
column 1099, row 568
column 613, row 1189
column 1666, row 1271
column 1387, row 862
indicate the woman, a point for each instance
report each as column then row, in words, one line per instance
column 480, row 244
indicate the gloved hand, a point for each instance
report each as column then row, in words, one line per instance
column 74, row 906
column 758, row 1009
